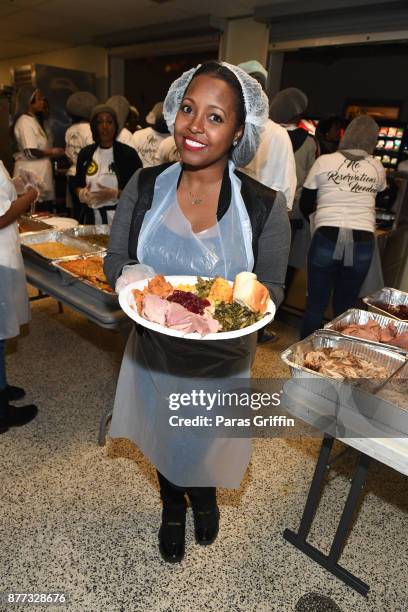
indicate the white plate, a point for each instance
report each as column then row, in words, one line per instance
column 61, row 223
column 128, row 305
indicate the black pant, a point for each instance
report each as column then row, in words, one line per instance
column 78, row 209
column 202, row 498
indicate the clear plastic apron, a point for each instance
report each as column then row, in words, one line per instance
column 154, row 363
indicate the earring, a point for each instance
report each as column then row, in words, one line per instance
column 235, row 142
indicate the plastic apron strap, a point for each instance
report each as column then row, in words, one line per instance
column 344, row 246
column 161, row 195
column 238, row 202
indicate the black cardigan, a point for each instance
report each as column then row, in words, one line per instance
column 126, row 162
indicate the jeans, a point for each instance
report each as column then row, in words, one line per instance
column 3, row 381
column 325, row 274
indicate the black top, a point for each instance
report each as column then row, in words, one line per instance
column 126, row 162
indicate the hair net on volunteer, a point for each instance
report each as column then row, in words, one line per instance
column 80, row 104
column 361, row 133
column 155, row 114
column 256, row 109
column 24, row 96
column 121, row 107
column 287, row 105
column 253, row 67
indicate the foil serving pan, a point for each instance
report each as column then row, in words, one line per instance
column 86, row 286
column 89, row 231
column 27, row 225
column 27, row 241
column 379, row 355
column 361, row 317
column 357, row 396
column 395, row 390
column 387, row 295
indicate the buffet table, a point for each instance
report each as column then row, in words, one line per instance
column 89, row 300
column 49, row 281
column 362, row 419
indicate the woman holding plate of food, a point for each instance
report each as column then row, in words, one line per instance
column 197, row 217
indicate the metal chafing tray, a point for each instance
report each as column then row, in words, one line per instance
column 345, row 400
column 380, row 355
column 89, row 231
column 388, row 295
column 85, row 285
column 53, row 236
column 28, row 225
column 395, row 390
column 363, row 316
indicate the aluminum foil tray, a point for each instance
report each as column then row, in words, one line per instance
column 89, row 231
column 395, row 390
column 28, row 225
column 53, row 236
column 85, row 285
column 354, row 396
column 361, row 317
column 379, row 355
column 388, row 296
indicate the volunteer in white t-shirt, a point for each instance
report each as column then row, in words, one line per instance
column 167, row 151
column 79, row 107
column 121, row 107
column 147, row 141
column 103, row 168
column 274, row 162
column 344, row 185
column 14, row 306
column 288, row 108
column 34, row 153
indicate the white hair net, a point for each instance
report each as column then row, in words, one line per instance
column 121, row 107
column 23, row 98
column 256, row 108
column 288, row 104
column 254, row 67
column 361, row 133
column 156, row 114
column 81, row 104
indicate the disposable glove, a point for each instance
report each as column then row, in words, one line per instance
column 26, row 179
column 84, row 195
column 132, row 274
column 103, row 195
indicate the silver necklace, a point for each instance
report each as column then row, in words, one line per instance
column 195, row 200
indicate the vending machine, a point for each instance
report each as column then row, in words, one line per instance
column 392, row 143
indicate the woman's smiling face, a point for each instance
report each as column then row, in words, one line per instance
column 206, row 123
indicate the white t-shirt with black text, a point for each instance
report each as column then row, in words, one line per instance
column 101, row 172
column 346, row 190
column 147, row 142
column 77, row 137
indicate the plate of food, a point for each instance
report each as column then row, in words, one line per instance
column 199, row 308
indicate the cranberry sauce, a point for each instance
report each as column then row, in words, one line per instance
column 190, row 301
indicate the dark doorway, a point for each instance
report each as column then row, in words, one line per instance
column 332, row 75
column 147, row 79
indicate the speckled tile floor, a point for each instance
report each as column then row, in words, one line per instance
column 83, row 519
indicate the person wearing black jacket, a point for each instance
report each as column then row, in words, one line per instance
column 104, row 168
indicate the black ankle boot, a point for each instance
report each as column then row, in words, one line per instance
column 206, row 525
column 172, row 534
column 14, row 393
column 14, row 416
